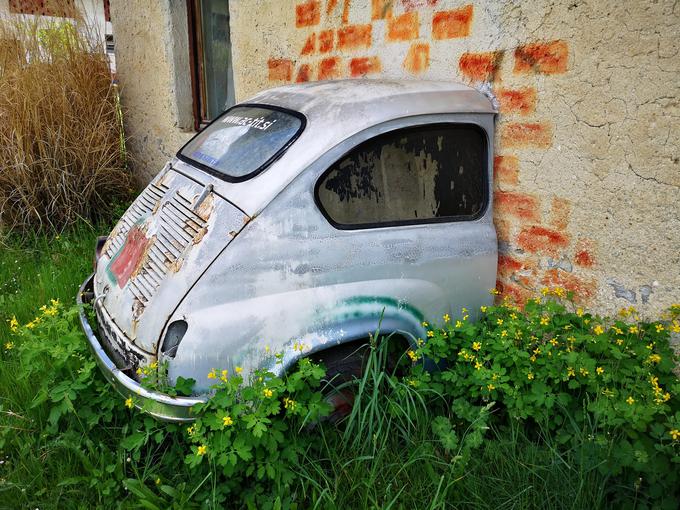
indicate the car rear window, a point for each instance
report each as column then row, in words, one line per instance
column 243, row 141
column 415, row 175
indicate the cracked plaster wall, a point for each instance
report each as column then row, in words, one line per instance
column 587, row 168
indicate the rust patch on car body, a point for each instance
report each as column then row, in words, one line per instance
column 205, row 208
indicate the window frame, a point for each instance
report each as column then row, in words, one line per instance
column 399, row 223
column 263, row 166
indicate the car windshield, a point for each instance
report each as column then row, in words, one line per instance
column 243, row 141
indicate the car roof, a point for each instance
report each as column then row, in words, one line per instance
column 336, row 110
column 354, row 98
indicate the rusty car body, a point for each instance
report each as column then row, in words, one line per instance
column 308, row 217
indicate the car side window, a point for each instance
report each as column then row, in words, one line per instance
column 414, row 175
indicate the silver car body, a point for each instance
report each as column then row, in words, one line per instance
column 254, row 268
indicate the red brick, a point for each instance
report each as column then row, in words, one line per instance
column 307, row 14
column 503, row 228
column 582, row 288
column 452, row 24
column 519, row 205
column 326, row 39
column 304, row 74
column 519, row 134
column 345, row 12
column 381, row 9
column 480, row 66
column 513, row 292
column 310, row 45
column 354, row 36
column 584, row 254
column 280, row 69
column 329, row 69
column 330, row 6
column 560, row 211
column 363, row 66
column 522, row 101
column 545, row 58
column 418, row 58
column 506, row 170
column 403, row 28
column 508, row 265
column 410, row 5
column 536, row 239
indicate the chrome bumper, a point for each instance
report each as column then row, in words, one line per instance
column 160, row 405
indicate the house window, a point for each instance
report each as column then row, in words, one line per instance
column 415, row 175
column 211, row 62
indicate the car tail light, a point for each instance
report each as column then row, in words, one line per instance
column 173, row 336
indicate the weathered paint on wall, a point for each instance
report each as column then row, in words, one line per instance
column 587, row 170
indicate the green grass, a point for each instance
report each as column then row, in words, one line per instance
column 392, row 452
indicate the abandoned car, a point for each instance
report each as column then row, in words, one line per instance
column 302, row 220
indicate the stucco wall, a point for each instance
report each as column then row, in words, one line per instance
column 587, row 167
column 152, row 60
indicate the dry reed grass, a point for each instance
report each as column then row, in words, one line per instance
column 62, row 150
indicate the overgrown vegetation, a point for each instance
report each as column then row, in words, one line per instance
column 62, row 154
column 549, row 407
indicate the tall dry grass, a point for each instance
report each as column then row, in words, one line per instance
column 62, row 152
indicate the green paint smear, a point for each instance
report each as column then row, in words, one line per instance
column 387, row 302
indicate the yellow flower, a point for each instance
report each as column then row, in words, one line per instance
column 226, row 421
column 599, row 370
column 465, row 317
column 425, row 324
column 158, row 481
column 654, row 358
column 224, row 376
column 630, row 401
column 554, row 342
column 598, row 330
column 545, row 321
column 533, row 358
column 586, row 321
column 201, row 450
column 420, row 342
column 659, row 328
column 633, row 330
column 412, row 354
column 463, row 310
column 675, row 434
column 266, row 349
column 624, row 312
column 139, row 371
column 13, row 324
column 537, row 350
column 153, row 365
column 570, row 372
column 289, row 403
column 447, row 317
column 238, row 370
column 212, row 374
column 31, row 324
column 583, row 371
column 499, row 322
column 459, row 324
column 650, row 346
column 545, row 291
column 9, row 346
column 412, row 382
column 267, row 392
column 484, row 308
column 430, row 334
column 54, row 302
column 618, row 331
column 513, row 316
column 530, row 376
column 504, row 334
column 490, row 387
column 579, row 312
column 476, row 346
column 619, row 341
column 128, row 403
column 478, row 365
column 494, row 292
column 675, row 328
